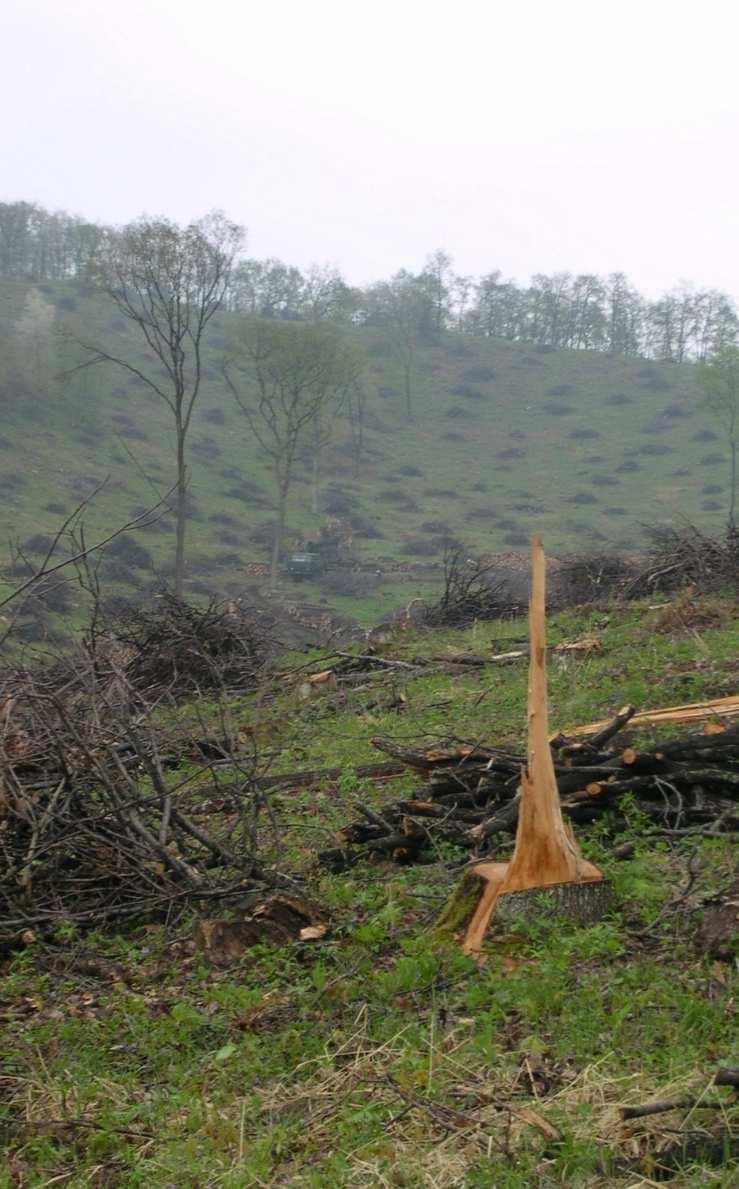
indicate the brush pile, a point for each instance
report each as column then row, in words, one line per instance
column 106, row 808
column 686, row 556
column 470, row 793
column 470, row 593
column 183, row 648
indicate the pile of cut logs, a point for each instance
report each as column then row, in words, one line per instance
column 471, row 793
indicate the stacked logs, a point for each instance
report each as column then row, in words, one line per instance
column 470, row 793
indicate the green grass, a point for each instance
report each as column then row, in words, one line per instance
column 57, row 433
column 383, row 1056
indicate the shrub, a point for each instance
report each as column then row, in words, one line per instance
column 127, row 549
column 400, row 499
column 511, row 452
column 435, row 526
column 583, row 497
column 442, row 493
column 656, row 448
column 456, row 412
column 653, row 379
column 364, row 527
column 604, row 481
column 583, row 435
column 233, row 540
column 712, row 489
column 224, row 519
column 628, row 466
column 530, row 507
column 479, row 372
column 411, row 471
column 114, row 570
column 453, row 435
column 554, row 408
column 11, row 481
column 711, row 506
column 207, row 449
column 656, row 426
column 712, row 460
column 421, row 548
column 704, row 435
column 561, row 390
column 55, row 508
column 618, row 398
column 133, row 433
column 468, row 392
column 39, row 543
column 352, row 584
column 247, row 493
column 337, row 502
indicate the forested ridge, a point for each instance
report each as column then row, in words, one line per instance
column 560, row 310
column 261, row 404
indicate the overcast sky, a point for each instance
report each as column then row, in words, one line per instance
column 586, row 135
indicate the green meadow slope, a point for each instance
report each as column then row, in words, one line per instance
column 380, row 1055
column 505, row 438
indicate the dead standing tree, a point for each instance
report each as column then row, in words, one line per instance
column 284, row 378
column 168, row 282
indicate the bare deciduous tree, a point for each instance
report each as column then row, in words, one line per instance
column 284, row 377
column 168, row 282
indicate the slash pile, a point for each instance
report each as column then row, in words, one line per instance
column 470, row 793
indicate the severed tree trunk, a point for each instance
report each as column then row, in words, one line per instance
column 546, row 855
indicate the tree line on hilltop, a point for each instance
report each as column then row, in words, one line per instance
column 556, row 311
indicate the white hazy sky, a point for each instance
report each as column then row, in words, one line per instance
column 528, row 136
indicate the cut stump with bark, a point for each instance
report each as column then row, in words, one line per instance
column 546, row 866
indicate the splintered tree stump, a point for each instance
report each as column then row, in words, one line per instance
column 546, row 864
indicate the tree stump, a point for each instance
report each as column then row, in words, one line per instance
column 546, row 867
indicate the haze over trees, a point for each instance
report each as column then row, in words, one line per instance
column 560, row 310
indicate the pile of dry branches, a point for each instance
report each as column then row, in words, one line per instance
column 471, row 792
column 685, row 555
column 470, row 593
column 177, row 646
column 100, row 804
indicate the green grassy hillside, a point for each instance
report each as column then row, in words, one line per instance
column 381, row 1055
column 505, row 439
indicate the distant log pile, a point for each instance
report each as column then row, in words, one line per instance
column 470, row 793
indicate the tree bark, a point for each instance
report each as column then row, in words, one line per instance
column 278, row 534
column 179, row 561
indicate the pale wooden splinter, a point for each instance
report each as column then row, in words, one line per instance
column 546, row 853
